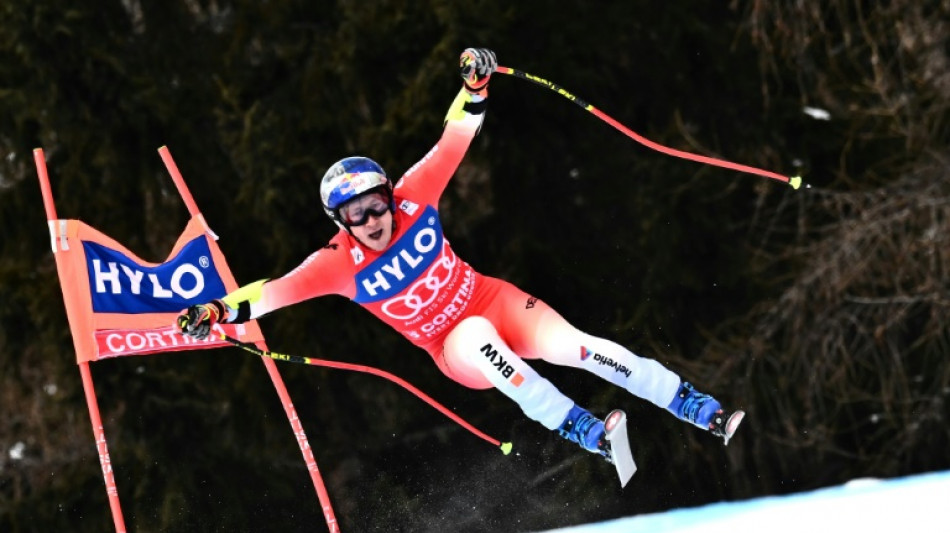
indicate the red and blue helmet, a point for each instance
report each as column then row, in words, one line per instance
column 349, row 178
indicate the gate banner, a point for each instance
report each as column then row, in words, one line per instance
column 119, row 304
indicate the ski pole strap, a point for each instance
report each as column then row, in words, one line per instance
column 794, row 181
column 504, row 446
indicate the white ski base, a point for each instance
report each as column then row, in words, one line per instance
column 621, row 456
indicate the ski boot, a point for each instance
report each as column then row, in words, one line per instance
column 703, row 411
column 587, row 431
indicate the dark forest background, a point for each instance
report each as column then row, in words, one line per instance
column 822, row 311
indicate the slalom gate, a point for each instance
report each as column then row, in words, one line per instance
column 119, row 305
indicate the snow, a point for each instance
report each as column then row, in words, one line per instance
column 16, row 451
column 816, row 113
column 914, row 503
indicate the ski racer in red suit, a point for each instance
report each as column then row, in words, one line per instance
column 391, row 257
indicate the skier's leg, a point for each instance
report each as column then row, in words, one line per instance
column 475, row 355
column 535, row 330
column 561, row 343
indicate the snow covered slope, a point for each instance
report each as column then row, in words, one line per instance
column 903, row 505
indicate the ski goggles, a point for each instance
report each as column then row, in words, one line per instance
column 357, row 211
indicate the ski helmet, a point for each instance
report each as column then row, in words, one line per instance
column 349, row 178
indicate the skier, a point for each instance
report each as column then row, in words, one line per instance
column 391, row 257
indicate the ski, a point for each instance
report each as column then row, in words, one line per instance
column 726, row 427
column 620, row 454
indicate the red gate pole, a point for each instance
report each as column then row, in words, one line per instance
column 271, row 366
column 99, row 433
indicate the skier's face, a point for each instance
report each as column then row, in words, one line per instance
column 369, row 220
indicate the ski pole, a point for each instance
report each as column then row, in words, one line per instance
column 505, row 446
column 794, row 181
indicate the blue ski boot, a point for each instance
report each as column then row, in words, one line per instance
column 702, row 410
column 586, row 430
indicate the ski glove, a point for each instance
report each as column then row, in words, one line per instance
column 198, row 320
column 476, row 66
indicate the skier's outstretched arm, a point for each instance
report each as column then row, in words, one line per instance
column 430, row 175
column 319, row 275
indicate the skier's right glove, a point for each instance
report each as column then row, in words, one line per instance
column 197, row 320
column 476, row 66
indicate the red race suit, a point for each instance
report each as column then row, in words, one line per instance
column 417, row 285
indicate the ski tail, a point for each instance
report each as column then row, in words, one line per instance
column 620, row 455
column 725, row 426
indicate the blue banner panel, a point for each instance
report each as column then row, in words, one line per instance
column 119, row 284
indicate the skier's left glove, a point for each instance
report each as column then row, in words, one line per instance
column 476, row 66
column 197, row 320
